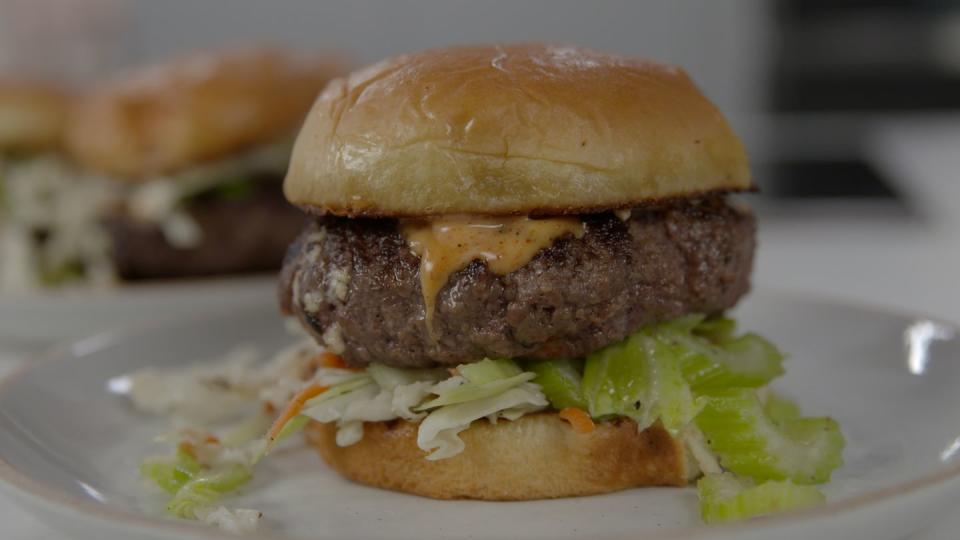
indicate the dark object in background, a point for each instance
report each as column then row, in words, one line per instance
column 838, row 67
column 247, row 233
column 862, row 55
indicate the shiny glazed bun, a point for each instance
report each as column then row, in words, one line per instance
column 31, row 116
column 537, row 456
column 194, row 108
column 509, row 130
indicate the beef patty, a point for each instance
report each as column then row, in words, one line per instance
column 238, row 235
column 354, row 283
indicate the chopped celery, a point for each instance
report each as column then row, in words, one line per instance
column 171, row 475
column 779, row 408
column 804, row 450
column 745, row 361
column 488, row 370
column 639, row 378
column 615, row 380
column 683, row 324
column 673, row 402
column 716, row 329
column 203, row 490
column 725, row 498
column 560, row 381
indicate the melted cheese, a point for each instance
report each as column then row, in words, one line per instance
column 446, row 245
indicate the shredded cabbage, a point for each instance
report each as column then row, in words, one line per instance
column 438, row 432
column 466, row 391
column 489, row 370
column 498, row 389
column 203, row 490
column 220, row 389
column 693, row 375
column 235, row 520
column 390, row 377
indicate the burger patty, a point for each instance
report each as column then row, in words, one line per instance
column 354, row 283
column 239, row 235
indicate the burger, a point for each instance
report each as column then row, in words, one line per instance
column 526, row 251
column 157, row 164
column 32, row 116
column 515, row 282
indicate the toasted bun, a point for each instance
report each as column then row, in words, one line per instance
column 508, row 130
column 193, row 109
column 31, row 116
column 538, row 456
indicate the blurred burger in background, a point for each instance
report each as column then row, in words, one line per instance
column 171, row 171
column 32, row 118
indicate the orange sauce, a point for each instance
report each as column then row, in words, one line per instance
column 448, row 244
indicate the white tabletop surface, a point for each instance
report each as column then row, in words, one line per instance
column 912, row 266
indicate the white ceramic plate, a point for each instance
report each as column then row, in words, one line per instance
column 44, row 317
column 70, row 450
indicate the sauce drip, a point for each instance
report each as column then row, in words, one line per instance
column 448, row 244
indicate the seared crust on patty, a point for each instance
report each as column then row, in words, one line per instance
column 555, row 460
column 354, row 283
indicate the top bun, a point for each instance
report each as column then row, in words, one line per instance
column 193, row 109
column 511, row 129
column 31, row 116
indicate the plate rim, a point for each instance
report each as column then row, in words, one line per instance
column 123, row 289
column 21, row 485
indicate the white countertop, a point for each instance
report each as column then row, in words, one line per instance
column 908, row 266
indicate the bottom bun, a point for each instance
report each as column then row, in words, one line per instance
column 538, row 456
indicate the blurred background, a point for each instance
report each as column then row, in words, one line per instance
column 848, row 107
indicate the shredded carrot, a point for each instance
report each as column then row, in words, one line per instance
column 330, row 360
column 190, row 447
column 579, row 420
column 293, row 409
column 187, row 448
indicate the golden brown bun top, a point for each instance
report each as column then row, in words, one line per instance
column 31, row 115
column 510, row 129
column 193, row 109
